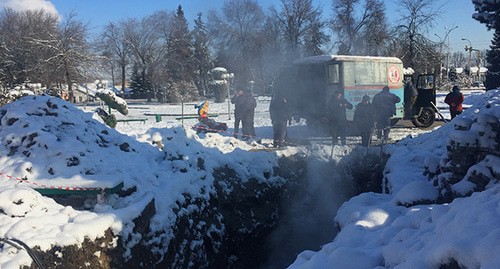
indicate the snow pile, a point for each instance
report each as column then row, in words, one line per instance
column 379, row 231
column 47, row 141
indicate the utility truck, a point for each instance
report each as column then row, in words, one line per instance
column 309, row 83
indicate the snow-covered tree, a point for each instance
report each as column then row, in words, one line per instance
column 113, row 102
column 21, row 57
column 219, row 83
column 488, row 12
column 69, row 50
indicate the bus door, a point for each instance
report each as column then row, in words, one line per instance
column 426, row 86
column 424, row 113
column 312, row 93
column 333, row 77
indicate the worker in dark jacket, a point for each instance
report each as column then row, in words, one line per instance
column 410, row 97
column 337, row 114
column 246, row 107
column 385, row 107
column 236, row 100
column 280, row 115
column 455, row 99
column 364, row 118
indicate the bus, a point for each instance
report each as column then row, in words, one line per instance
column 309, row 83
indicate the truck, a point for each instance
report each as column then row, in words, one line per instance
column 309, row 83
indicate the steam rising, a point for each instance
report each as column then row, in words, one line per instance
column 308, row 220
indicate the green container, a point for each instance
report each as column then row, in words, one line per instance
column 158, row 117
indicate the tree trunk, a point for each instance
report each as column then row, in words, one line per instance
column 70, row 86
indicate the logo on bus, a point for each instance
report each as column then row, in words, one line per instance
column 394, row 74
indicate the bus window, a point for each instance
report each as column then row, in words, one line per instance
column 364, row 73
column 333, row 73
column 425, row 82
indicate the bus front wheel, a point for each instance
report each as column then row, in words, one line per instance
column 425, row 118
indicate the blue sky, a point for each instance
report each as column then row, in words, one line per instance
column 100, row 12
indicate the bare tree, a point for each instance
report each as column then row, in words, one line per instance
column 147, row 50
column 164, row 24
column 115, row 49
column 297, row 17
column 236, row 35
column 416, row 18
column 21, row 60
column 362, row 34
column 376, row 29
column 68, row 50
column 273, row 51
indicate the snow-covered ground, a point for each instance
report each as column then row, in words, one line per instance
column 376, row 231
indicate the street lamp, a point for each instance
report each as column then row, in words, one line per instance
column 469, row 48
column 447, row 36
column 441, row 43
column 465, row 39
column 228, row 77
column 440, row 57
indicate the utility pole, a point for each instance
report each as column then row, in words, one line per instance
column 447, row 37
column 469, row 49
column 442, row 41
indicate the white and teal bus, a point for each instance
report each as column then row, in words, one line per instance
column 311, row 82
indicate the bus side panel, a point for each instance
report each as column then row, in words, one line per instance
column 399, row 106
column 368, row 78
column 354, row 94
column 396, row 85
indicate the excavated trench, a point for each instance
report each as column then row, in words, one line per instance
column 312, row 198
column 255, row 226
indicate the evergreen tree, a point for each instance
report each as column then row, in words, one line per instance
column 488, row 12
column 140, row 83
column 314, row 39
column 201, row 58
column 180, row 50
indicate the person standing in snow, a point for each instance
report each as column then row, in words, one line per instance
column 455, row 99
column 385, row 106
column 280, row 115
column 246, row 107
column 237, row 101
column 338, row 120
column 364, row 117
column 410, row 96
